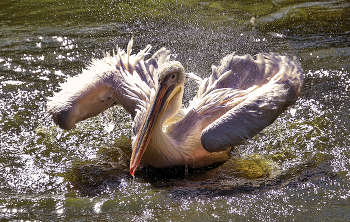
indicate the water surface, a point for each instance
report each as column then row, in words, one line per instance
column 297, row 169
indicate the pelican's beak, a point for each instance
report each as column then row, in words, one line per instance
column 145, row 134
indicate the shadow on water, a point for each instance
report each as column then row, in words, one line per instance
column 236, row 176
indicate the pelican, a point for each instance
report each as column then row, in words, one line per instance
column 242, row 96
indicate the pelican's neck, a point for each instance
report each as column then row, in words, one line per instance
column 166, row 149
column 163, row 150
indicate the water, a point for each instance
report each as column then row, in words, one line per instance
column 295, row 170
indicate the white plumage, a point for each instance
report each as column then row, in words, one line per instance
column 242, row 96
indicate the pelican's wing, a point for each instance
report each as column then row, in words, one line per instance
column 243, row 96
column 120, row 78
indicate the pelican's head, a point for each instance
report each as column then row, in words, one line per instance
column 166, row 104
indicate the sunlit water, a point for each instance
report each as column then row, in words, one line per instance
column 296, row 169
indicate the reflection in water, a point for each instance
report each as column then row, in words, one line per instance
column 307, row 153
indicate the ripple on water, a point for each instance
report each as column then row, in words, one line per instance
column 297, row 169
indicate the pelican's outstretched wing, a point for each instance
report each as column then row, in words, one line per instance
column 243, row 96
column 118, row 79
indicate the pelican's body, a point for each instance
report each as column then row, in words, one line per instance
column 239, row 99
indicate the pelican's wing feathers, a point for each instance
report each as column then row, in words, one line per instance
column 121, row 78
column 243, row 96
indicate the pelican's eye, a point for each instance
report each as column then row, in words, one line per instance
column 173, row 76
